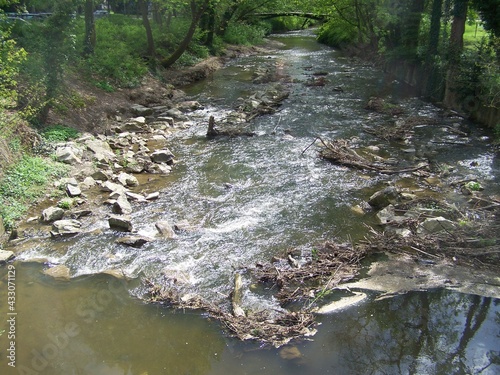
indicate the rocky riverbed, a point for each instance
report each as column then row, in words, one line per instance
column 434, row 217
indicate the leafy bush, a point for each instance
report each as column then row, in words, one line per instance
column 66, row 203
column 282, row 24
column 11, row 57
column 121, row 42
column 337, row 33
column 243, row 34
column 59, row 133
column 479, row 76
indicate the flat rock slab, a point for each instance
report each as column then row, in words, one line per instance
column 401, row 274
column 65, row 228
column 5, row 256
column 59, row 272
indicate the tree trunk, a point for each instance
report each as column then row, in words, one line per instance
column 90, row 34
column 455, row 49
column 412, row 26
column 458, row 27
column 157, row 13
column 432, row 49
column 143, row 8
column 208, row 21
column 434, row 81
column 196, row 15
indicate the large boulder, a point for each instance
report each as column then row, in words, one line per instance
column 73, row 191
column 68, row 155
column 135, row 197
column 163, row 156
column 65, row 228
column 175, row 113
column 101, row 175
column 190, row 105
column 140, row 110
column 119, row 222
column 127, row 179
column 88, row 183
column 165, row 229
column 384, row 197
column 132, row 127
column 59, row 272
column 52, row 214
column 122, row 206
column 435, row 225
column 113, row 188
column 101, row 150
column 134, row 241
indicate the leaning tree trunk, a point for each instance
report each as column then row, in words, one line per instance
column 143, row 8
column 455, row 49
column 196, row 15
column 90, row 35
column 433, row 88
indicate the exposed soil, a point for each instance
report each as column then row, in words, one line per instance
column 96, row 107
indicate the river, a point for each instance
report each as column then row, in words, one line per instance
column 247, row 200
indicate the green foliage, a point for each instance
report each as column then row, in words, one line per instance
column 10, row 59
column 474, row 186
column 479, row 75
column 244, row 34
column 337, row 33
column 117, row 60
column 59, row 133
column 23, row 183
column 282, row 24
column 66, row 203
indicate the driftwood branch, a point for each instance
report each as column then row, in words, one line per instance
column 340, row 153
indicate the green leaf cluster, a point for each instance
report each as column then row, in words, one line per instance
column 59, row 133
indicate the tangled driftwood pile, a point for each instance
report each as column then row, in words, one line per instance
column 339, row 152
column 264, row 326
column 329, row 265
column 292, row 281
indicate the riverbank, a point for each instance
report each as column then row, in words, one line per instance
column 99, row 110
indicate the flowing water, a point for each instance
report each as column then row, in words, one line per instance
column 246, row 200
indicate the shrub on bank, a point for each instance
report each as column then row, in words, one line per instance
column 244, row 34
column 338, row 33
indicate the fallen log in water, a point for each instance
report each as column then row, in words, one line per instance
column 237, row 296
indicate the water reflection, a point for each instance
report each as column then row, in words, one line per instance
column 92, row 326
column 438, row 332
